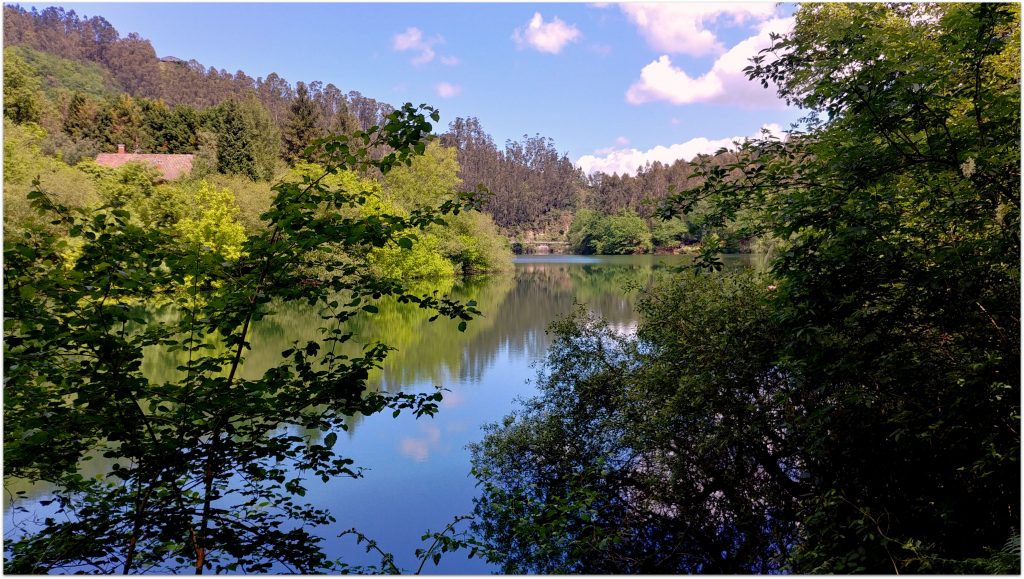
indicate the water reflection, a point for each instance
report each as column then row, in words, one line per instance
column 417, row 471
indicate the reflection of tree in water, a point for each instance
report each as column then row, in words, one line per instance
column 517, row 311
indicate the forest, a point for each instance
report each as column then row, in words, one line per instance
column 851, row 407
column 91, row 89
column 854, row 410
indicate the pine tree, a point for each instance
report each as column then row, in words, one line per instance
column 303, row 125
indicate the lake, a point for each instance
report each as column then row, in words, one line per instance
column 417, row 471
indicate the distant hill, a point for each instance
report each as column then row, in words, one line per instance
column 132, row 65
column 535, row 189
column 58, row 73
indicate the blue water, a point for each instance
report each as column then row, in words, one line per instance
column 417, row 472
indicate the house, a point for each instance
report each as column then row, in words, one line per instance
column 170, row 166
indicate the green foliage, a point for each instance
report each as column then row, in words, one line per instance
column 469, row 241
column 472, row 242
column 857, row 411
column 640, row 454
column 253, row 198
column 247, row 141
column 209, row 467
column 406, row 260
column 622, row 233
column 22, row 90
column 24, row 162
column 672, row 232
column 119, row 122
column 62, row 74
column 130, row 185
column 170, row 130
column 586, row 224
column 303, row 126
column 898, row 211
column 209, row 222
column 432, row 176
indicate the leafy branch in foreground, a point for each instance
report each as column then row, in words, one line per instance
column 857, row 408
column 208, row 469
column 444, row 541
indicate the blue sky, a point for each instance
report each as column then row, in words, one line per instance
column 613, row 85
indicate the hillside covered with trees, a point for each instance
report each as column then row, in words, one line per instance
column 850, row 406
column 97, row 89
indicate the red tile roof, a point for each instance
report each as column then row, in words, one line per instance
column 170, row 166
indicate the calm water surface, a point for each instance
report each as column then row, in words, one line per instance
column 417, row 471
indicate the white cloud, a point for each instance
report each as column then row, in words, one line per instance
column 684, row 27
column 412, row 39
column 550, row 37
column 725, row 83
column 622, row 141
column 450, row 60
column 448, row 90
column 626, row 161
column 773, row 129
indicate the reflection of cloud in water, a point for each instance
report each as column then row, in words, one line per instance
column 419, row 449
column 414, row 449
column 453, row 399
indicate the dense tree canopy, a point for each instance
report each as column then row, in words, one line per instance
column 623, row 233
column 304, row 125
column 859, row 409
column 535, row 188
column 207, row 464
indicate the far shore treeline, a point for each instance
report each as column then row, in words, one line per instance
column 76, row 88
column 850, row 405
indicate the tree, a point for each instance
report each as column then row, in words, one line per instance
column 275, row 93
column 640, row 455
column 199, row 479
column 210, row 220
column 898, row 212
column 303, row 126
column 120, row 123
column 247, row 141
column 133, row 62
column 622, row 233
column 469, row 240
column 80, row 119
column 586, row 227
column 856, row 411
column 22, row 96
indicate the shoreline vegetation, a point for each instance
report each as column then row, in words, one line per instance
column 853, row 406
column 75, row 88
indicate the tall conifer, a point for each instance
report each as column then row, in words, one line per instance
column 303, row 125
